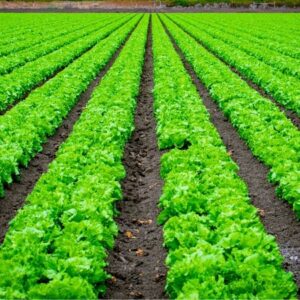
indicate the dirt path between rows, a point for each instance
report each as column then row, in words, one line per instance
column 290, row 114
column 276, row 215
column 137, row 261
column 17, row 192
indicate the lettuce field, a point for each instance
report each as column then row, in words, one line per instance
column 149, row 156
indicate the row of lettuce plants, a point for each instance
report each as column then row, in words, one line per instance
column 14, row 43
column 268, row 30
column 282, row 87
column 27, row 125
column 56, row 246
column 18, row 83
column 267, row 131
column 217, row 246
column 17, row 59
column 281, row 62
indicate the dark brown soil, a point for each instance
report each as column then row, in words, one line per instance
column 290, row 114
column 276, row 215
column 137, row 261
column 16, row 193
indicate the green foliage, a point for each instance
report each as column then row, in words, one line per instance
column 35, row 48
column 277, row 74
column 269, row 134
column 20, row 81
column 26, row 126
column 30, row 35
column 218, row 247
column 57, row 244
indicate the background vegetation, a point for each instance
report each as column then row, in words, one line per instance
column 232, row 3
column 235, row 2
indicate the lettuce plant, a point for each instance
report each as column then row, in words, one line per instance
column 56, row 246
column 217, row 246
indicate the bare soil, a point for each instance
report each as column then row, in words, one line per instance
column 17, row 192
column 137, row 261
column 276, row 215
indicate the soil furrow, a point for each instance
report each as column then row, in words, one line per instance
column 290, row 114
column 137, row 261
column 17, row 192
column 276, row 215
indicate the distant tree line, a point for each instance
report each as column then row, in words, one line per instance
column 232, row 3
column 290, row 3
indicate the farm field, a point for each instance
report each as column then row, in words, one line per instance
column 149, row 156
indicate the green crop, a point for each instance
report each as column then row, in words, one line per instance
column 253, row 46
column 17, row 59
column 281, row 82
column 24, row 129
column 218, row 248
column 269, row 134
column 57, row 244
column 16, row 84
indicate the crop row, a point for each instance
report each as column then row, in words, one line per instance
column 56, row 246
column 18, row 25
column 251, row 35
column 15, row 85
column 36, row 28
column 266, row 130
column 26, row 126
column 217, row 246
column 284, row 88
column 286, row 64
column 32, row 39
column 10, row 62
column 271, row 28
column 45, row 30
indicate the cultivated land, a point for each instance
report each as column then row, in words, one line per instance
column 149, row 156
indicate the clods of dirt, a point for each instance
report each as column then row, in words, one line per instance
column 137, row 261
